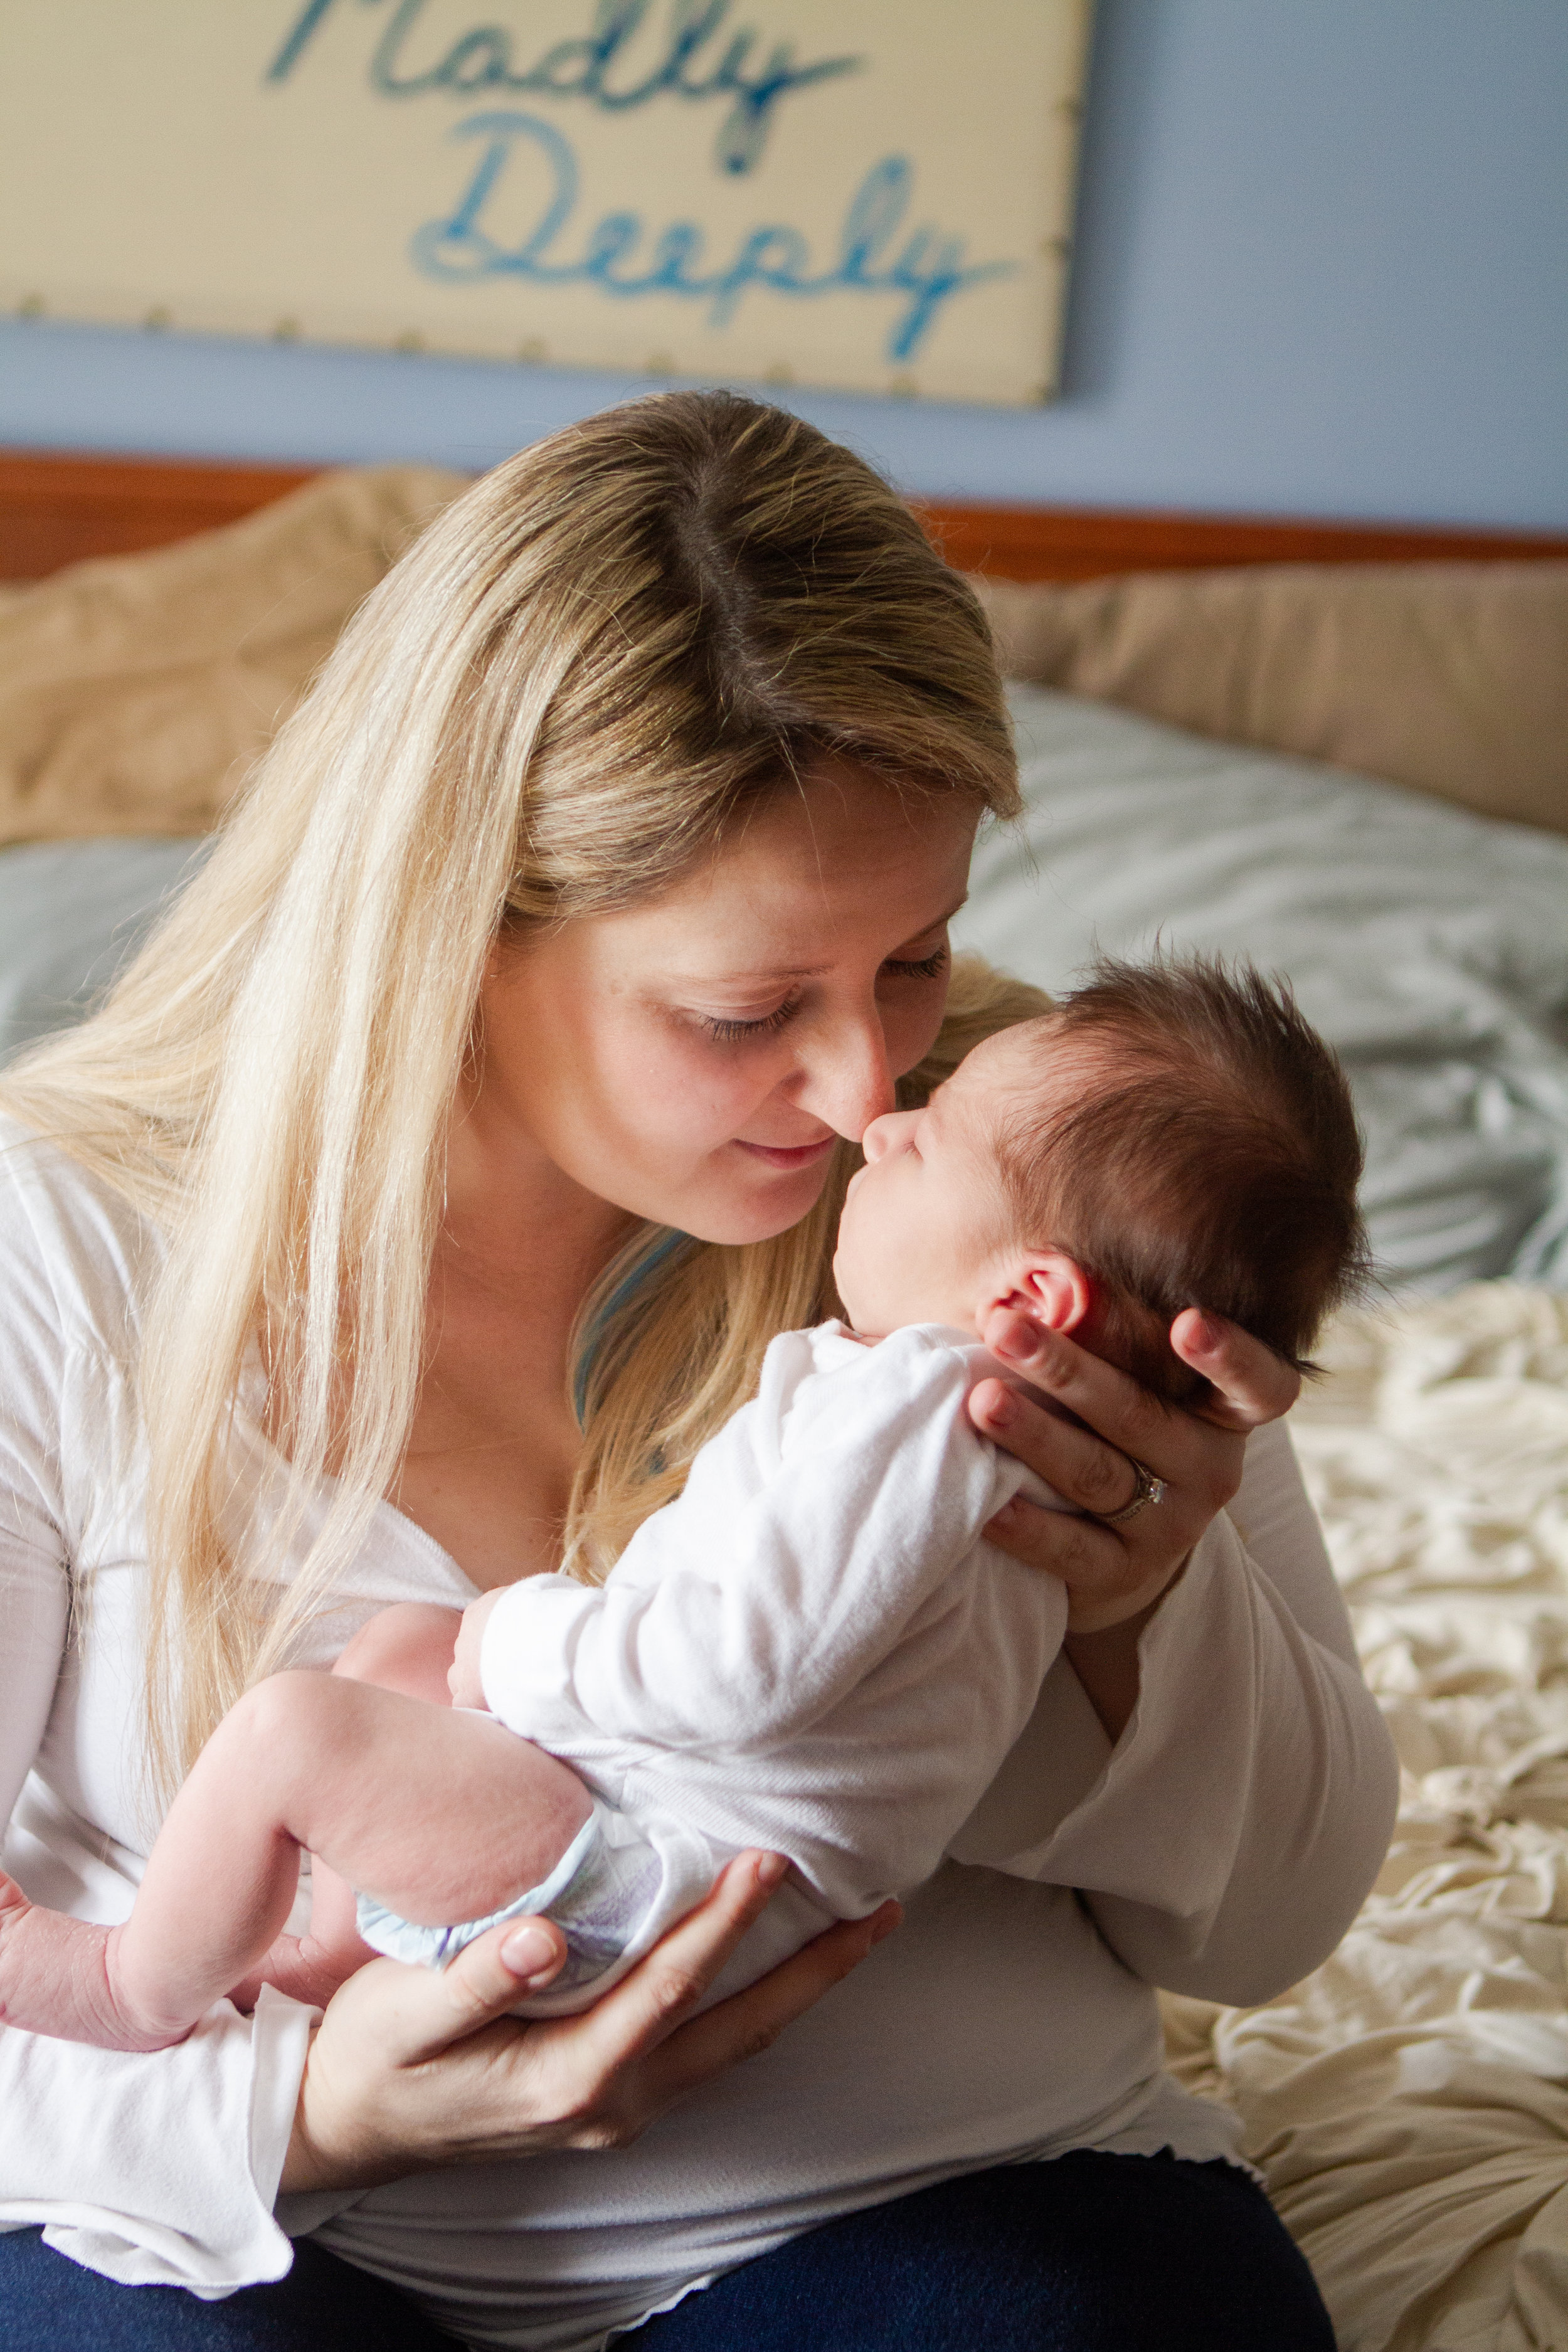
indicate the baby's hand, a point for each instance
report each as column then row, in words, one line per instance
column 463, row 1676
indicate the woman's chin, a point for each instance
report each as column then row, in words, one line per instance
column 760, row 1209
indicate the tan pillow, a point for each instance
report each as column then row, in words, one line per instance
column 134, row 692
column 1449, row 676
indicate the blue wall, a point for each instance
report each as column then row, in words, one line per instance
column 1322, row 268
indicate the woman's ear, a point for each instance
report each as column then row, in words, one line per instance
column 1050, row 1286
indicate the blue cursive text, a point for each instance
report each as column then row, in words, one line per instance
column 586, row 68
column 927, row 270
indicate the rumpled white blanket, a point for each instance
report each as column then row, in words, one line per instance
column 1408, row 2103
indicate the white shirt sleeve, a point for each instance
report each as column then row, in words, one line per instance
column 157, row 2169
column 809, row 1534
column 1227, row 1842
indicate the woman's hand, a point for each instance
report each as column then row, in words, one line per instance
column 411, row 2069
column 1115, row 1576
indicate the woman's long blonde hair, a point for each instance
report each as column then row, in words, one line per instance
column 549, row 707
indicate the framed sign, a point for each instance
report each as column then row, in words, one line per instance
column 868, row 194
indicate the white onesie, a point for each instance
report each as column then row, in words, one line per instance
column 812, row 1650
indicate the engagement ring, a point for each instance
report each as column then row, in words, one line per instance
column 1148, row 1490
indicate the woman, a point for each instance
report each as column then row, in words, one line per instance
column 424, row 1195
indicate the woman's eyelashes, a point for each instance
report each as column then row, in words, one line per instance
column 731, row 1032
column 923, row 968
column 725, row 1029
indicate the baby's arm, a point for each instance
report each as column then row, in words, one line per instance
column 465, row 1681
column 441, row 1815
column 741, row 1614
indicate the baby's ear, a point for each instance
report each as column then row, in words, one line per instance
column 1050, row 1286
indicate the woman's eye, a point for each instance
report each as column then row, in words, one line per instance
column 925, row 968
column 726, row 1030
column 731, row 1033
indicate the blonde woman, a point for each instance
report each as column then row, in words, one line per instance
column 424, row 1195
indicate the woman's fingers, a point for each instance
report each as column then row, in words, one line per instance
column 748, row 2021
column 648, row 2048
column 1094, row 1427
column 1081, row 1468
column 411, row 2067
column 1110, row 1573
column 1111, row 1403
column 422, row 2011
column 645, row 2009
column 1107, row 1580
column 1254, row 1384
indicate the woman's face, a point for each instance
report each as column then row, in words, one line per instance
column 692, row 1060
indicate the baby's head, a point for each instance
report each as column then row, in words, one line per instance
column 1172, row 1135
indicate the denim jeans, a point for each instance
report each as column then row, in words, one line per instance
column 1088, row 2254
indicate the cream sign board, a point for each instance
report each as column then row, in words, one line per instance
column 866, row 193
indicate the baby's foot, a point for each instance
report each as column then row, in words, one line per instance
column 57, row 1977
column 304, row 1969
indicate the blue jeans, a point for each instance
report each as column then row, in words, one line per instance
column 1089, row 2254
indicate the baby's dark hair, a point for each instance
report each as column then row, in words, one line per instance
column 1212, row 1162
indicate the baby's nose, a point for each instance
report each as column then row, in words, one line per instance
column 878, row 1135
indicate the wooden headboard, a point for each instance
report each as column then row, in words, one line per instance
column 57, row 510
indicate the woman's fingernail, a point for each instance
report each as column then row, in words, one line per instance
column 530, row 1952
column 1002, row 1409
column 885, row 1927
column 1206, row 1335
column 770, row 1868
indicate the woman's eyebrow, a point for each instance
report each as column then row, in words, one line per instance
column 739, row 972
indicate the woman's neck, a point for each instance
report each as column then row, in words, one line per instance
column 512, row 1218
column 494, row 1445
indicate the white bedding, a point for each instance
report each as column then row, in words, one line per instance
column 1429, row 946
column 1408, row 2103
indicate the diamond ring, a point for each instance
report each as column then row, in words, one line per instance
column 1149, row 1489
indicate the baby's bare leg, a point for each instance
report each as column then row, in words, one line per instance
column 405, row 1648
column 53, row 1975
column 441, row 1815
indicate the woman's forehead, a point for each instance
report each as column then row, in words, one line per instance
column 798, row 888
column 839, row 829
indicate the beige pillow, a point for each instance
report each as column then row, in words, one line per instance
column 134, row 692
column 1449, row 676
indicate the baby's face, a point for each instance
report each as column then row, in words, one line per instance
column 925, row 1233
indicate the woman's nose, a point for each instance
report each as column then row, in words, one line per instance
column 849, row 1082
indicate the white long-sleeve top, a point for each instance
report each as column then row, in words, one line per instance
column 1220, row 1849
column 812, row 1649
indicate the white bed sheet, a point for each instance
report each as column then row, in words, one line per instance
column 1408, row 2103
column 1429, row 946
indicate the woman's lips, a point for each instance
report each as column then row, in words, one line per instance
column 788, row 1155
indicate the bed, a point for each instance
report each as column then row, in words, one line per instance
column 1408, row 2105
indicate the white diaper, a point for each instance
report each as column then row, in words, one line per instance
column 613, row 1893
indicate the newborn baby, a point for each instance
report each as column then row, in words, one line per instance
column 815, row 1649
